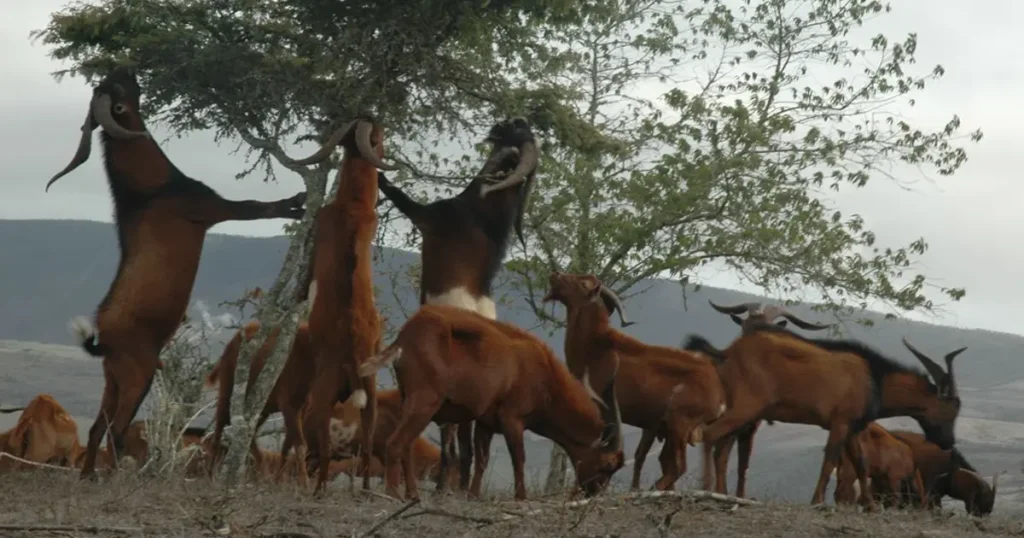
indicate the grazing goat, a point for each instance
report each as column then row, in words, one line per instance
column 345, row 427
column 839, row 385
column 890, row 465
column 344, row 325
column 666, row 392
column 44, row 433
column 465, row 240
column 458, row 366
column 756, row 314
column 287, row 396
column 947, row 472
column 162, row 216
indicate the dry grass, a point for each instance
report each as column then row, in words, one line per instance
column 58, row 504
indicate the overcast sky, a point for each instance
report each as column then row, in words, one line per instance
column 971, row 221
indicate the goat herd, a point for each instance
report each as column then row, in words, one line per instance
column 460, row 367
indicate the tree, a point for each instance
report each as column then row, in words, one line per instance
column 262, row 72
column 729, row 165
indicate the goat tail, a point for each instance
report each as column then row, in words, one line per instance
column 87, row 336
column 701, row 345
column 380, row 360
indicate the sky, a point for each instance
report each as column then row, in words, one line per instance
column 965, row 218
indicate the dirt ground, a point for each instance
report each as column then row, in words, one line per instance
column 56, row 503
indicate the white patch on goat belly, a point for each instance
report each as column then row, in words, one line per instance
column 721, row 409
column 461, row 297
column 342, row 435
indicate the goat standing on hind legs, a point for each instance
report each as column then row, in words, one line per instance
column 344, row 325
column 465, row 241
column 162, row 217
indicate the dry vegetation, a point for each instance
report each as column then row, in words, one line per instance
column 56, row 503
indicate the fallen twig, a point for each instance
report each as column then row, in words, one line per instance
column 35, row 463
column 698, row 495
column 384, row 521
column 93, row 529
column 453, row 515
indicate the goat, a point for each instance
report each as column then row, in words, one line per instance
column 947, row 472
column 756, row 314
column 136, row 447
column 344, row 325
column 839, row 385
column 890, row 464
column 44, row 433
column 287, row 396
column 661, row 390
column 161, row 216
column 465, row 240
column 458, row 366
column 344, row 428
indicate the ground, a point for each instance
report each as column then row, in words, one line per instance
column 56, row 503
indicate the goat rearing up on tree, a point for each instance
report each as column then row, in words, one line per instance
column 839, row 385
column 664, row 391
column 454, row 365
column 756, row 315
column 162, row 217
column 344, row 325
column 465, row 238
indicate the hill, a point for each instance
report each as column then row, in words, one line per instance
column 54, row 270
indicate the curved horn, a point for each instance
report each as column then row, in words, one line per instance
column 496, row 158
column 934, row 369
column 737, row 309
column 11, row 409
column 952, row 355
column 773, row 311
column 101, row 111
column 83, row 151
column 610, row 295
column 529, row 159
column 328, row 146
column 363, row 130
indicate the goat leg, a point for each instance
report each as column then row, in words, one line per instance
column 466, row 448
column 482, row 437
column 746, row 442
column 642, row 448
column 108, row 405
column 512, row 429
column 212, row 209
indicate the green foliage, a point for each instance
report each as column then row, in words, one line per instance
column 734, row 161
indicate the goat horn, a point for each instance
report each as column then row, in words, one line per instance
column 934, row 369
column 366, row 150
column 328, row 146
column 101, row 111
column 529, row 159
column 952, row 355
column 496, row 159
column 773, row 311
column 11, row 409
column 737, row 309
column 609, row 294
column 83, row 151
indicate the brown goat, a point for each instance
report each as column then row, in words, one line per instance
column 839, row 385
column 890, row 464
column 947, row 472
column 458, row 366
column 287, row 396
column 44, row 433
column 344, row 325
column 465, row 241
column 345, row 426
column 756, row 314
column 137, row 448
column 162, row 217
column 661, row 390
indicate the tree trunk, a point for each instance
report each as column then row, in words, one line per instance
column 557, row 470
column 276, row 309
